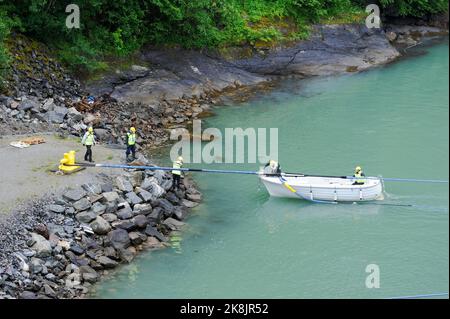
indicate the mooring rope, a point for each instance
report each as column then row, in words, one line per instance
column 220, row 171
column 439, row 294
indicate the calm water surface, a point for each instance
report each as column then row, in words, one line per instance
column 242, row 244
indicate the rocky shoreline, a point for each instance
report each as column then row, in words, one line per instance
column 61, row 245
column 172, row 87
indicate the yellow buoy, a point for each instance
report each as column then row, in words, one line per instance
column 67, row 164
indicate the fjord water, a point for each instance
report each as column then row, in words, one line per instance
column 240, row 243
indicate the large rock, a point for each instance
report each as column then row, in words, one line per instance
column 74, row 195
column 86, row 217
column 88, row 274
column 144, row 209
column 125, row 213
column 59, row 209
column 82, row 204
column 92, row 188
column 133, row 199
column 152, row 231
column 57, row 115
column 128, row 254
column 173, row 224
column 119, row 238
column 28, row 104
column 141, row 221
column 109, row 217
column 100, row 226
column 124, row 184
column 107, row 262
column 41, row 246
column 165, row 205
column 111, row 196
column 98, row 208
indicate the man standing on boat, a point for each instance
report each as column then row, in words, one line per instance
column 131, row 144
column 273, row 167
column 88, row 141
column 359, row 174
column 176, row 173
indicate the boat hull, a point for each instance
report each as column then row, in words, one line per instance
column 323, row 188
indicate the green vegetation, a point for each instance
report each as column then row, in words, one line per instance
column 118, row 28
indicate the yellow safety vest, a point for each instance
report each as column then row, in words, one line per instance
column 131, row 139
column 177, row 165
column 359, row 175
column 89, row 139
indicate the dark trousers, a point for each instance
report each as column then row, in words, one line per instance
column 131, row 149
column 88, row 155
column 176, row 180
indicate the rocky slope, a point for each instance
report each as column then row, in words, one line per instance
column 58, row 247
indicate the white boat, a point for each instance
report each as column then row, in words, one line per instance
column 319, row 188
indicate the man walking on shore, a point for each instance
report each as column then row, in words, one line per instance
column 88, row 141
column 131, row 144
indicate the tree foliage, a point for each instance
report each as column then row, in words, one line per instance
column 122, row 26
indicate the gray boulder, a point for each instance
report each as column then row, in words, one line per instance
column 100, row 226
column 56, row 209
column 133, row 199
column 144, row 209
column 82, row 204
column 92, row 188
column 86, row 217
column 107, row 262
column 41, row 246
column 124, row 184
column 125, row 213
column 119, row 238
column 74, row 195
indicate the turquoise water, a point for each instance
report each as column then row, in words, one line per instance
column 242, row 244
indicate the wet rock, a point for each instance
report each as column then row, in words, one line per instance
column 153, row 232
column 194, row 197
column 86, row 217
column 124, row 184
column 74, row 195
column 100, row 226
column 136, row 238
column 89, row 274
column 165, row 205
column 119, row 238
column 189, row 204
column 107, row 262
column 173, row 224
column 41, row 245
column 127, row 255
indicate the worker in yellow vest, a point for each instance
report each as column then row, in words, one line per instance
column 176, row 173
column 131, row 144
column 88, row 141
column 359, row 176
